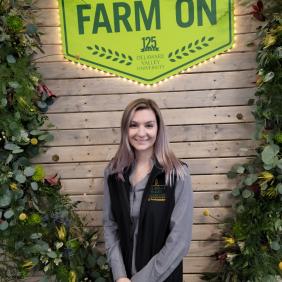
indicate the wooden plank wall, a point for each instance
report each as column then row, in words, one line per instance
column 206, row 110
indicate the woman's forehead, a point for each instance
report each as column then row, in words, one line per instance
column 144, row 115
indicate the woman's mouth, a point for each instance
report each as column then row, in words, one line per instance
column 141, row 141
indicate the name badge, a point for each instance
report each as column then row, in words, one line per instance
column 157, row 193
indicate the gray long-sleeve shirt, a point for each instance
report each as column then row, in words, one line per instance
column 177, row 244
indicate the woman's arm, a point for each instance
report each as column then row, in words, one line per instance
column 112, row 245
column 178, row 241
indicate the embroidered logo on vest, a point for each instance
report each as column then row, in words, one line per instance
column 157, row 193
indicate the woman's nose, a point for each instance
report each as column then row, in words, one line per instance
column 141, row 131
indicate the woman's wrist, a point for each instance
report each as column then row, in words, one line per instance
column 123, row 279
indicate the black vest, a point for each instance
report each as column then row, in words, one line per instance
column 154, row 219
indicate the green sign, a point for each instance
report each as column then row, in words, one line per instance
column 146, row 41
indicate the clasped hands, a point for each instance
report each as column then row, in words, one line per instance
column 123, row 280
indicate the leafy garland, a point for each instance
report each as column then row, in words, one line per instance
column 253, row 237
column 39, row 229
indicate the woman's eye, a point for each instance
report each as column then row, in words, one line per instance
column 149, row 125
column 132, row 125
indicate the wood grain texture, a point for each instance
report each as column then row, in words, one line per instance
column 201, row 199
column 185, row 116
column 187, row 82
column 176, row 133
column 182, row 150
column 165, row 100
column 95, row 218
column 94, row 186
column 95, row 169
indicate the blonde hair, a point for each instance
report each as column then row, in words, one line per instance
column 125, row 154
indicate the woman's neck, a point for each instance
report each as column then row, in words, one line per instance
column 143, row 158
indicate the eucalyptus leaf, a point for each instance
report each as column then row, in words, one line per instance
column 20, row 178
column 52, row 254
column 49, row 137
column 42, row 137
column 43, row 245
column 9, row 213
column 240, row 169
column 17, row 151
column 268, row 153
column 35, row 236
column 101, row 260
column 5, row 198
column 34, row 186
column 11, row 146
column 23, row 161
column 250, row 179
column 42, row 105
column 246, row 193
column 18, row 194
column 19, row 245
column 9, row 159
column 268, row 166
column 13, row 222
column 29, row 171
column 279, row 188
column 275, row 245
column 231, row 174
column 4, row 225
column 279, row 163
column 11, row 59
column 236, row 192
column 36, row 132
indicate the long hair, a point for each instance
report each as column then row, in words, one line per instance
column 125, row 154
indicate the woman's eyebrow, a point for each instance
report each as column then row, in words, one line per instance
column 150, row 121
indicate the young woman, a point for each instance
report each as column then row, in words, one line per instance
column 148, row 201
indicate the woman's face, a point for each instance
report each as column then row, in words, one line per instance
column 142, row 131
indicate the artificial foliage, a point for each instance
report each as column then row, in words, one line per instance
column 253, row 236
column 39, row 230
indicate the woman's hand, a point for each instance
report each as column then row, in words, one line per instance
column 123, row 280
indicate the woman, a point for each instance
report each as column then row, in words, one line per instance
column 147, row 201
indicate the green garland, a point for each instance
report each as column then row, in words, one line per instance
column 253, row 237
column 39, row 230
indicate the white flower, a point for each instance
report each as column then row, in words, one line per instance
column 241, row 245
column 57, row 261
column 44, row 259
column 230, row 257
column 59, row 245
column 46, row 267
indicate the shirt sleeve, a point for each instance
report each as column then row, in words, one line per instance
column 178, row 241
column 112, row 244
